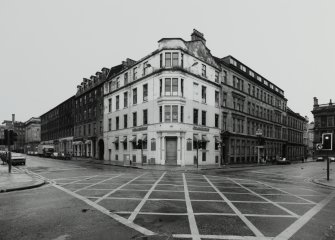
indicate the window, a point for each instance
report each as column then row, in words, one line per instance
column 251, row 73
column 125, row 99
column 195, row 116
column 167, row 113
column 135, row 73
column 125, row 78
column 125, row 121
column 216, row 120
column 168, row 86
column 181, row 113
column 109, row 124
column 182, row 60
column 253, row 90
column 203, row 94
column 117, row 102
column 182, row 87
column 100, row 126
column 125, row 144
column 174, row 86
column 117, row 123
column 117, row 82
column 145, row 66
column 203, row 72
column 216, row 78
column 167, row 59
column 161, row 60
column 175, row 59
column 243, row 68
column 216, row 99
column 145, row 92
column 204, row 156
column 153, row 144
column 94, row 128
column 203, row 118
column 160, row 114
column 175, row 113
column 160, row 87
column 134, row 119
column 224, row 99
column 225, row 77
column 134, row 96
column 224, row 121
column 238, row 104
column 145, row 116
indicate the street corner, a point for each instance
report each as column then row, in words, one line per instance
column 16, row 181
column 324, row 182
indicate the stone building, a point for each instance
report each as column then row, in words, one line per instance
column 324, row 122
column 88, row 112
column 57, row 127
column 164, row 109
column 32, row 134
column 19, row 129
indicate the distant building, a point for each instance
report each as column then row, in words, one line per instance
column 19, row 128
column 324, row 122
column 310, row 146
column 57, row 127
column 32, row 134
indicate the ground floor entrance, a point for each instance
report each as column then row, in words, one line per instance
column 171, row 151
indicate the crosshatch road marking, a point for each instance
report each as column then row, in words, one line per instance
column 140, row 205
column 91, row 185
column 190, row 214
column 183, row 177
column 237, row 211
column 111, row 192
column 289, row 193
column 268, row 200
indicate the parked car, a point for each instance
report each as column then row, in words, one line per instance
column 332, row 159
column 320, row 159
column 282, row 160
column 18, row 158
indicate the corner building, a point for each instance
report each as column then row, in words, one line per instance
column 169, row 101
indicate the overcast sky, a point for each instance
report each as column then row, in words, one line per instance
column 47, row 47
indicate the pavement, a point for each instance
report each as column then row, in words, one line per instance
column 17, row 180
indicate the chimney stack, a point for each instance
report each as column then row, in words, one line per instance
column 316, row 104
column 196, row 35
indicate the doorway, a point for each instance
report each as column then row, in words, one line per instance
column 101, row 149
column 171, row 151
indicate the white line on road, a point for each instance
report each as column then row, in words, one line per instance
column 190, row 214
column 140, row 205
column 268, row 200
column 278, row 189
column 237, row 211
column 108, row 213
column 226, row 237
column 291, row 230
column 77, row 180
column 111, row 192
column 91, row 185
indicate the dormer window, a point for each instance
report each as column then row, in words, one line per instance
column 175, row 59
column 243, row 68
column 232, row 61
column 251, row 73
column 259, row 78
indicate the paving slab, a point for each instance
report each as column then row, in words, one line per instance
column 259, row 208
column 116, row 205
column 164, row 206
column 211, row 207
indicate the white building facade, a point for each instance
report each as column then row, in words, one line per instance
column 169, row 102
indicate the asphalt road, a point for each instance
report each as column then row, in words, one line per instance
column 93, row 201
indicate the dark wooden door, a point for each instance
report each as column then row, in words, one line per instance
column 171, row 151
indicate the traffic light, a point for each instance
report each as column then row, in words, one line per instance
column 139, row 144
column 327, row 141
column 6, row 136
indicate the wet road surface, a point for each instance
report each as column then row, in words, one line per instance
column 104, row 202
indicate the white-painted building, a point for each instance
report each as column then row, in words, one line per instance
column 169, row 100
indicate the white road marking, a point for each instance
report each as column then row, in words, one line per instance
column 226, row 237
column 292, row 229
column 111, row 192
column 268, row 200
column 108, row 213
column 190, row 214
column 237, row 211
column 278, row 189
column 93, row 184
column 140, row 205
